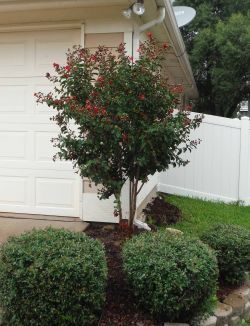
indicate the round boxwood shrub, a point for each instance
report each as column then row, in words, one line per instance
column 232, row 246
column 52, row 277
column 174, row 277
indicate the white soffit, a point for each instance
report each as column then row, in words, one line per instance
column 19, row 5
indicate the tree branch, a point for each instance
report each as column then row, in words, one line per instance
column 140, row 188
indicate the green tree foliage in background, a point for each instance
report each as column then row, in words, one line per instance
column 218, row 42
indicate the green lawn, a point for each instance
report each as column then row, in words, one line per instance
column 199, row 215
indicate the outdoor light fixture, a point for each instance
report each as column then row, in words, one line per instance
column 127, row 13
column 137, row 8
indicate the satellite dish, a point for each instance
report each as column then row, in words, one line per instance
column 184, row 15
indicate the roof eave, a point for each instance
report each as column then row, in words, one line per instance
column 179, row 46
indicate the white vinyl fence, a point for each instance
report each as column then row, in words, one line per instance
column 219, row 169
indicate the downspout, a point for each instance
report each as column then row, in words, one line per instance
column 136, row 43
column 143, row 28
column 154, row 22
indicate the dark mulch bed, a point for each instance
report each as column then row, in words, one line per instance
column 121, row 307
column 160, row 212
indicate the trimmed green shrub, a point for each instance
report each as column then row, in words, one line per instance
column 174, row 277
column 232, row 246
column 52, row 277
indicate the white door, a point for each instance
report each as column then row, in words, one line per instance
column 30, row 182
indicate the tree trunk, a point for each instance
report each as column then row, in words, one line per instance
column 133, row 192
column 119, row 206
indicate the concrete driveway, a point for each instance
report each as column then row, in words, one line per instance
column 15, row 224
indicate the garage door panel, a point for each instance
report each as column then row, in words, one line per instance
column 19, row 98
column 13, row 98
column 39, row 192
column 58, row 166
column 50, row 195
column 27, row 123
column 34, row 148
column 52, row 48
column 45, row 150
column 56, row 53
column 13, row 145
column 13, row 55
column 14, row 190
column 16, row 57
column 22, row 121
column 30, row 181
column 42, row 108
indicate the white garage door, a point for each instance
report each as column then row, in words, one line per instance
column 30, row 182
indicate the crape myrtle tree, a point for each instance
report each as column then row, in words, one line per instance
column 117, row 119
